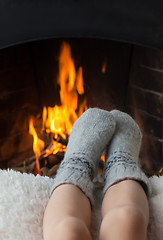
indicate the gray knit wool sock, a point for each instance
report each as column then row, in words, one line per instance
column 123, row 152
column 89, row 137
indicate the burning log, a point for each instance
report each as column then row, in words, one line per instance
column 48, row 161
column 61, row 140
column 54, row 159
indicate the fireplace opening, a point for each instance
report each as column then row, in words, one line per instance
column 116, row 75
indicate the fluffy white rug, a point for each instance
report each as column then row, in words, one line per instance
column 23, row 198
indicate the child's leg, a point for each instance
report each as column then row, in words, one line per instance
column 125, row 212
column 125, row 205
column 67, row 215
column 70, row 204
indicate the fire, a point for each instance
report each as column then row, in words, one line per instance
column 102, row 158
column 104, row 66
column 58, row 120
column 38, row 144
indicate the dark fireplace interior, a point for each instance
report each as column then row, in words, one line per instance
column 125, row 37
column 132, row 82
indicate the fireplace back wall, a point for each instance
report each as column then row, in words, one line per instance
column 133, row 82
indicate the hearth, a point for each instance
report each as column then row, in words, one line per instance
column 29, row 75
column 126, row 74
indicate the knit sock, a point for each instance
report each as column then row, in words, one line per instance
column 89, row 137
column 123, row 152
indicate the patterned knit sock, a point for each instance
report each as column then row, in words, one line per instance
column 123, row 152
column 88, row 139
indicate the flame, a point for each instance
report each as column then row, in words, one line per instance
column 102, row 158
column 104, row 67
column 79, row 83
column 59, row 120
column 38, row 144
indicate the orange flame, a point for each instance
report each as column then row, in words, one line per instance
column 60, row 119
column 104, row 67
column 103, row 158
column 38, row 144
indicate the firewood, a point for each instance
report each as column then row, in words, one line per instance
column 61, row 140
column 22, row 169
column 50, row 172
column 54, row 159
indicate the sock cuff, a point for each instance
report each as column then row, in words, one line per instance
column 120, row 168
column 78, row 162
column 120, row 157
column 76, row 177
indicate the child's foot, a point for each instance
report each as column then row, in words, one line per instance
column 123, row 152
column 88, row 139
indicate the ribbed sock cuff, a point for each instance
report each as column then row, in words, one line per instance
column 122, row 166
column 72, row 172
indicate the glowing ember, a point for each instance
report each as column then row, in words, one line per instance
column 58, row 120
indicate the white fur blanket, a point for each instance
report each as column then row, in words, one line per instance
column 23, row 198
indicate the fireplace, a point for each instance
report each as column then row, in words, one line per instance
column 131, row 82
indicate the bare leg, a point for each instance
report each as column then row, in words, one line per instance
column 125, row 212
column 68, row 215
